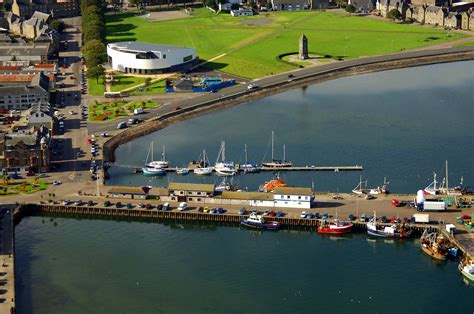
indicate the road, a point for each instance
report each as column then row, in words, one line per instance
column 97, row 127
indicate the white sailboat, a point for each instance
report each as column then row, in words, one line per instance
column 151, row 168
column 163, row 163
column 277, row 163
column 359, row 190
column 204, row 167
column 249, row 167
column 223, row 167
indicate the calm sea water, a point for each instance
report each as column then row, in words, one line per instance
column 401, row 124
column 95, row 266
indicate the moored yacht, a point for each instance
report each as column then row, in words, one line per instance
column 275, row 163
column 223, row 167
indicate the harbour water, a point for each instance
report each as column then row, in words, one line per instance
column 401, row 124
column 104, row 266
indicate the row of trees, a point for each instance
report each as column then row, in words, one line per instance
column 93, row 30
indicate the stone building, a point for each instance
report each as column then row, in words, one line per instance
column 25, row 152
column 22, row 95
column 362, row 5
column 58, row 8
column 467, row 20
column 39, row 115
column 25, row 54
column 319, row 4
column 453, row 20
column 290, row 5
column 435, row 15
column 385, row 6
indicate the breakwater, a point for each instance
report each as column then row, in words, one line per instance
column 303, row 77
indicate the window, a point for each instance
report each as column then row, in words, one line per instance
column 188, row 58
column 299, row 197
column 288, row 197
column 164, row 56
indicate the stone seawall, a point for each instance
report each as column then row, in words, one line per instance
column 165, row 120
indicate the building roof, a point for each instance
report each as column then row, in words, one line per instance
column 292, row 2
column 293, row 191
column 16, row 49
column 135, row 47
column 136, row 190
column 16, row 78
column 191, row 187
column 159, row 192
column 255, row 196
column 41, row 16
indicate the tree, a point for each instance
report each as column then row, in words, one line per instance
column 117, row 4
column 94, row 51
column 394, row 14
column 95, row 72
column 350, row 9
column 58, row 25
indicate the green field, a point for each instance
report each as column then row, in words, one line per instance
column 122, row 82
column 252, row 44
column 469, row 43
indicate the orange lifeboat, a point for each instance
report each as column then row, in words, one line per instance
column 269, row 186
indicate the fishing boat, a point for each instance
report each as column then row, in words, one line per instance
column 223, row 167
column 249, row 167
column 432, row 189
column 467, row 269
column 358, row 189
column 392, row 231
column 335, row 227
column 380, row 189
column 152, row 168
column 435, row 245
column 269, row 186
column 203, row 167
column 277, row 163
column 258, row 222
column 182, row 171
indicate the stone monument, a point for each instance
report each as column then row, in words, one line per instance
column 303, row 51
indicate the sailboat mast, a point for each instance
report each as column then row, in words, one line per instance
column 163, row 155
column 434, row 181
column 447, row 180
column 152, row 151
column 273, row 143
column 223, row 150
column 284, row 152
column 245, row 149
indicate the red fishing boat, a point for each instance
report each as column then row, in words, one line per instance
column 335, row 227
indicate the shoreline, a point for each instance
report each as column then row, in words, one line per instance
column 313, row 76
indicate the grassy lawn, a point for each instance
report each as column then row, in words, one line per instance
column 469, row 43
column 111, row 110
column 252, row 44
column 96, row 89
column 121, row 82
column 13, row 187
column 154, row 88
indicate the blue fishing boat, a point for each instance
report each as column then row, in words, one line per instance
column 258, row 222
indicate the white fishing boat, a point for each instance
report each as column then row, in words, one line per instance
column 203, row 166
column 277, row 163
column 150, row 168
column 361, row 188
column 380, row 189
column 224, row 167
column 432, row 189
column 249, row 167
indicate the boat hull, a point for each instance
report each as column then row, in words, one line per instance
column 379, row 233
column 466, row 274
column 437, row 256
column 153, row 172
column 335, row 230
column 262, row 226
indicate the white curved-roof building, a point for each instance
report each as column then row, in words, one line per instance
column 143, row 58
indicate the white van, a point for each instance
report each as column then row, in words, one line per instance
column 182, row 206
column 138, row 111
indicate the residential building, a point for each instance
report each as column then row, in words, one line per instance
column 362, row 5
column 58, row 8
column 241, row 12
column 19, row 96
column 291, row 5
column 24, row 152
column 129, row 192
column 39, row 115
column 24, row 54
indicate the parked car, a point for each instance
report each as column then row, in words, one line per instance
column 206, row 210
column 252, row 86
column 201, row 209
column 177, row 108
column 56, row 182
column 369, row 197
column 166, row 206
column 90, row 203
column 149, row 206
column 183, row 206
column 325, row 216
column 159, row 207
column 107, row 203
column 121, row 125
column 118, row 205
column 317, row 216
column 220, row 210
column 351, row 217
column 303, row 214
column 78, row 203
column 280, row 214
column 129, row 205
column 266, row 212
column 242, row 211
column 362, row 217
column 66, row 202
column 141, row 205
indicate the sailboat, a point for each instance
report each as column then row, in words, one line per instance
column 249, row 167
column 380, row 190
column 159, row 163
column 153, row 168
column 223, row 167
column 358, row 189
column 277, row 163
column 203, row 168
